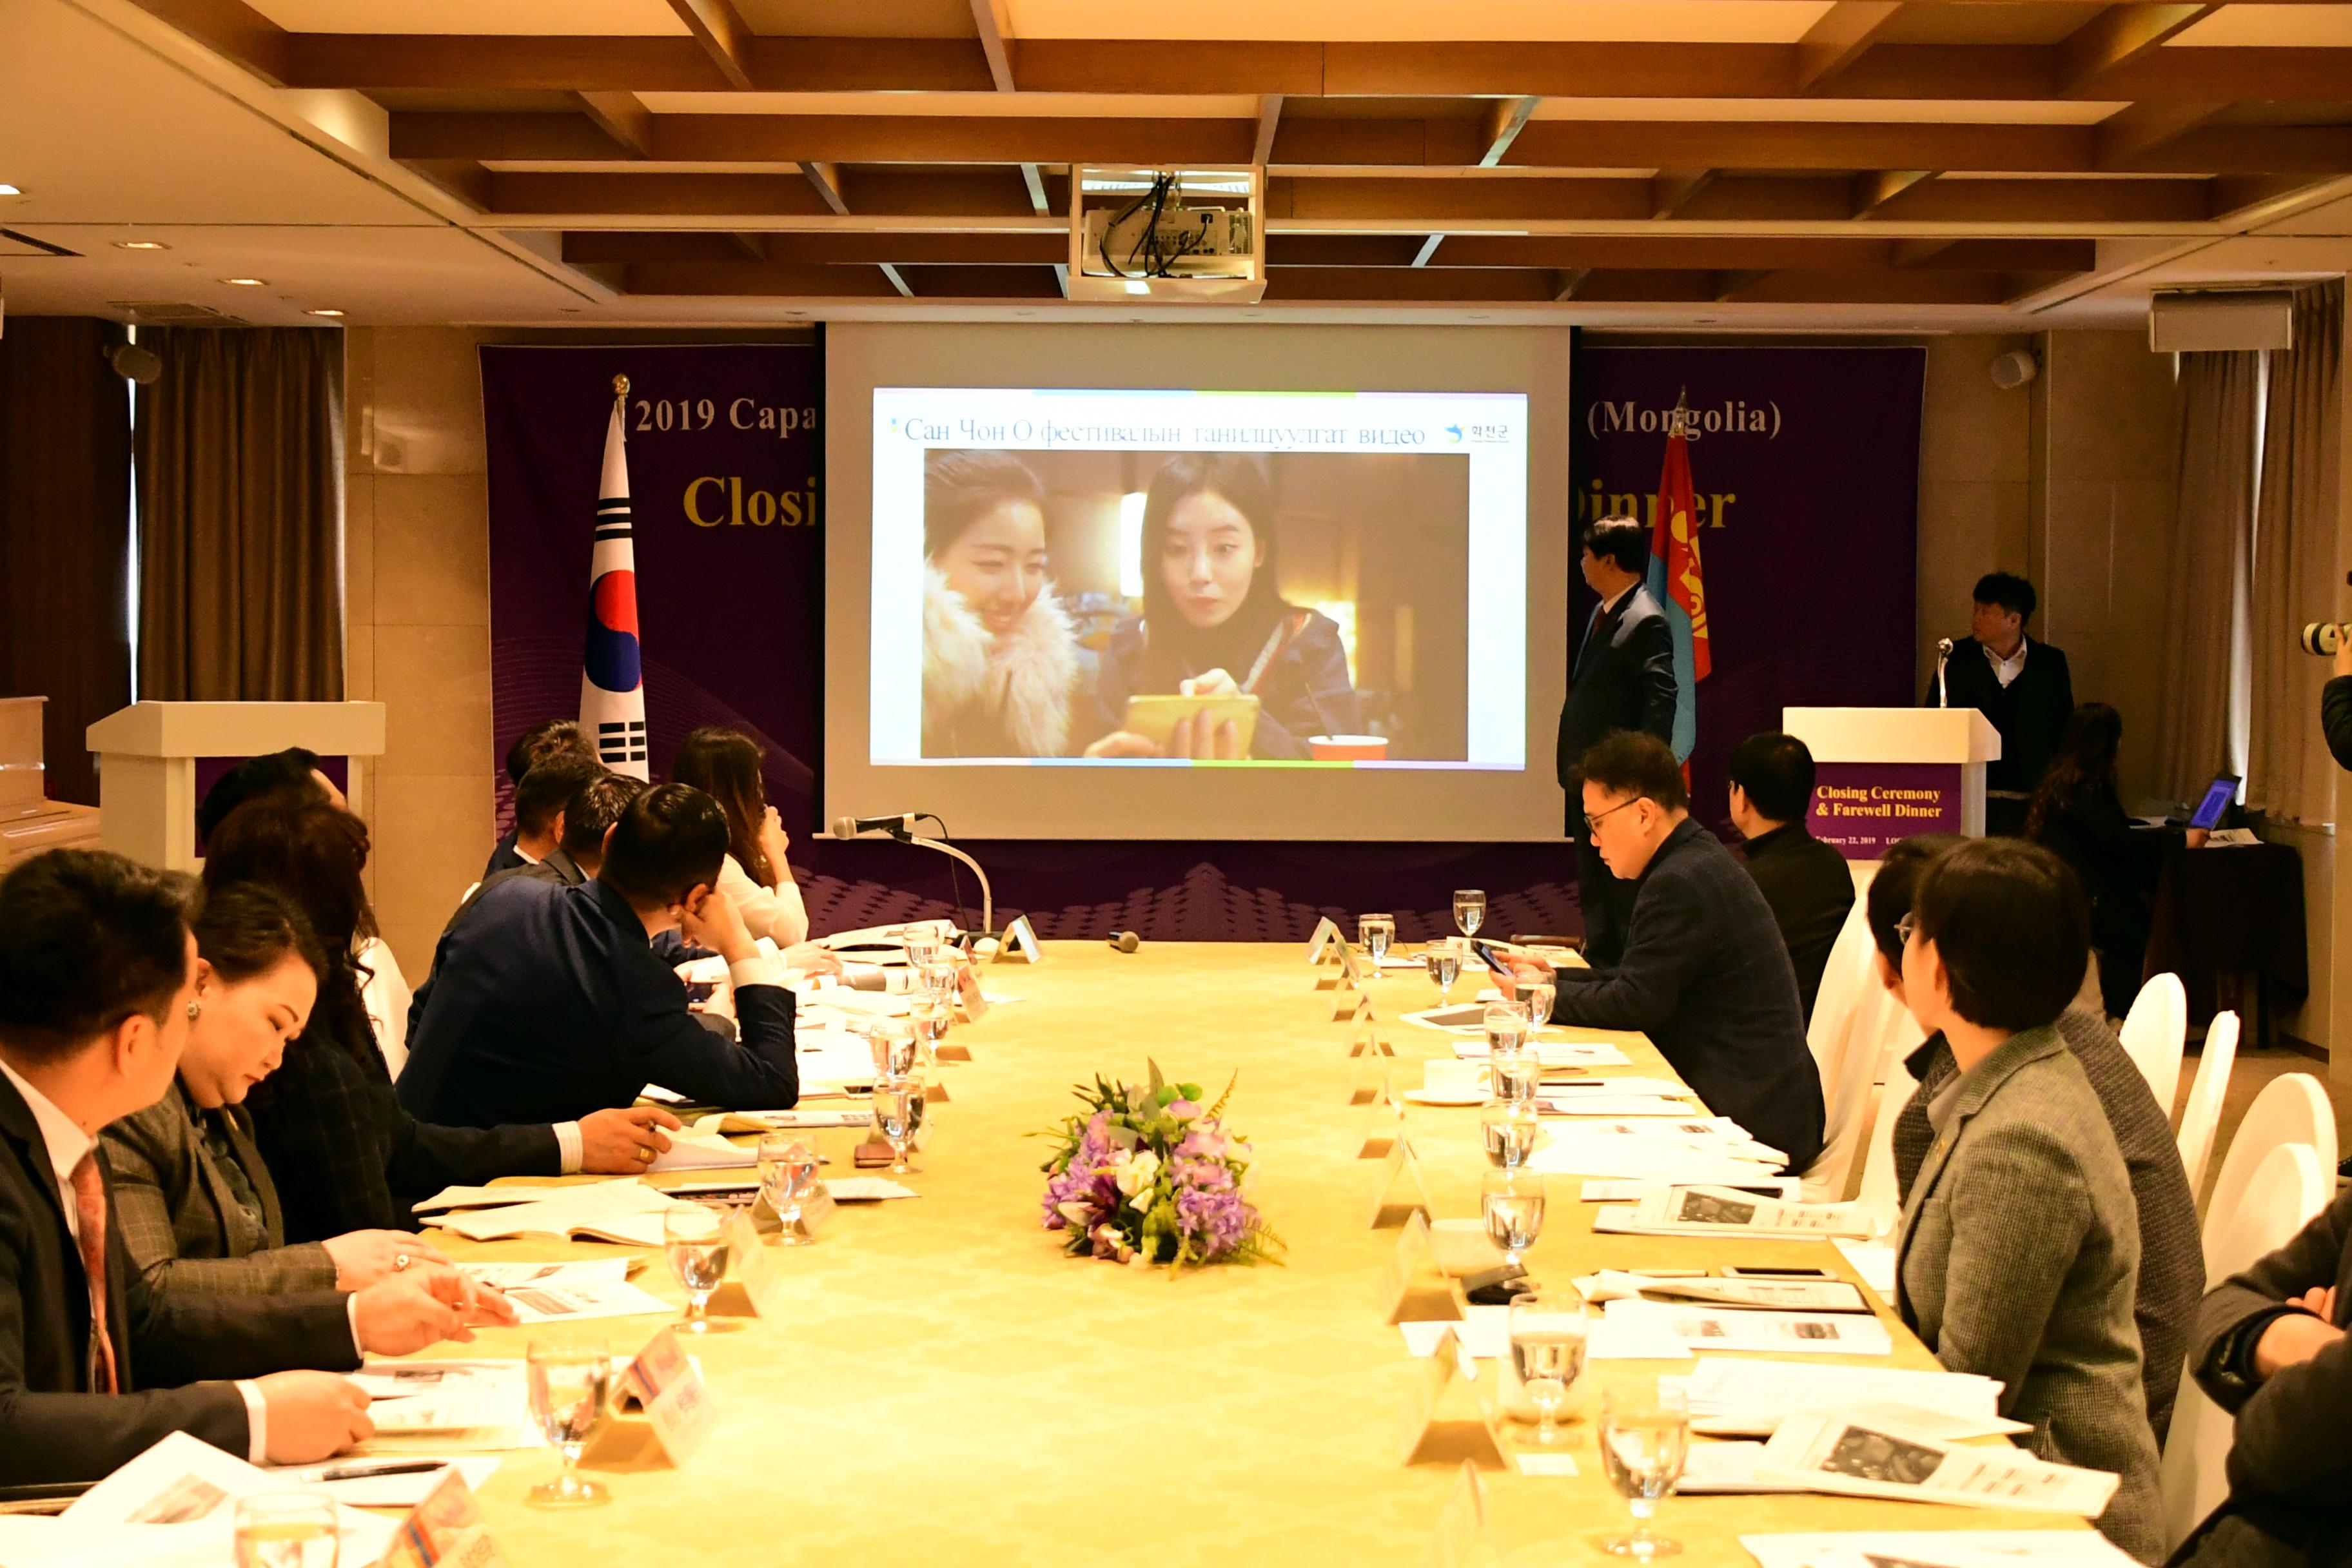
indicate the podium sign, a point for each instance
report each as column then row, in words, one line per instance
column 1884, row 774
column 1861, row 808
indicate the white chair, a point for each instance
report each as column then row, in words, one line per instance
column 2202, row 1114
column 2154, row 1034
column 1856, row 1022
column 387, row 995
column 1880, row 1196
column 2291, row 1109
column 2287, row 1188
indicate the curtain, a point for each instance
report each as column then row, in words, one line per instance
column 241, row 516
column 2211, row 536
column 2289, row 772
column 65, row 534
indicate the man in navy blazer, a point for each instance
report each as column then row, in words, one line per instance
column 549, row 1002
column 1622, row 678
column 1706, row 974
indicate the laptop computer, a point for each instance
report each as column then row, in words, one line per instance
column 2219, row 796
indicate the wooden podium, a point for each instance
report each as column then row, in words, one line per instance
column 150, row 755
column 1887, row 774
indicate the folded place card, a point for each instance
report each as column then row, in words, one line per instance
column 1446, row 1419
column 948, row 1053
column 447, row 1527
column 1410, row 1287
column 1367, row 1040
column 1019, row 943
column 758, row 1267
column 1353, row 1007
column 1465, row 1538
column 1400, row 1165
column 1383, row 1121
column 669, row 1385
column 817, row 1211
column 1318, row 946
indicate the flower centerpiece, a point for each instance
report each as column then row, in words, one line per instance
column 1146, row 1175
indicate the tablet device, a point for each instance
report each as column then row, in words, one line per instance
column 2218, row 797
column 1155, row 716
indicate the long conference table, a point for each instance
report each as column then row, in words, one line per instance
column 946, row 1385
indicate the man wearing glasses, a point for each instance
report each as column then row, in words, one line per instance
column 1705, row 973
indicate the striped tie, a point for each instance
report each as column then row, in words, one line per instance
column 89, row 1211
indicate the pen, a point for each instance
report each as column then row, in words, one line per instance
column 365, row 1472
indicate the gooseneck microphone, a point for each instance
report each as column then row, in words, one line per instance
column 1943, row 653
column 1125, row 940
column 902, row 829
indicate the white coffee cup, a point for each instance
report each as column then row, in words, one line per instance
column 1453, row 1078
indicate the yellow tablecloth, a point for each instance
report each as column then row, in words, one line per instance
column 948, row 1387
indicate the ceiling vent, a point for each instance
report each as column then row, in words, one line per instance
column 165, row 313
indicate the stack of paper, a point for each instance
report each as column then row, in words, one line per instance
column 1709, row 1290
column 1732, row 1395
column 1874, row 1261
column 499, row 1196
column 1884, row 1454
column 703, row 1151
column 1676, row 1209
column 627, row 1212
column 1610, row 1104
column 1657, row 1148
column 833, row 1060
column 568, row 1292
column 1723, row 1328
column 488, row 1402
column 723, row 1123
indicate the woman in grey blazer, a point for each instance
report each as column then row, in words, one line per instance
column 193, row 1200
column 2019, row 1242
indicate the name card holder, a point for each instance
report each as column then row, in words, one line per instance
column 1318, row 946
column 758, row 1268
column 1444, row 1418
column 1353, row 1007
column 948, row 1053
column 1019, row 943
column 447, row 1527
column 1465, row 1537
column 1412, row 1290
column 1369, row 1041
column 670, row 1387
column 1384, row 1121
column 1399, row 1165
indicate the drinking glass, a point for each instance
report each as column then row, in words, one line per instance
column 1445, row 968
column 1376, row 931
column 1512, row 1204
column 1507, row 1028
column 1515, row 1076
column 1645, row 1437
column 694, row 1238
column 1469, row 909
column 892, row 1041
column 922, row 947
column 788, row 1171
column 570, row 1385
column 899, row 1117
column 1537, row 994
column 286, row 1530
column 1509, row 1129
column 1548, row 1336
column 929, row 1016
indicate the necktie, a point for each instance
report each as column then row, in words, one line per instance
column 89, row 1211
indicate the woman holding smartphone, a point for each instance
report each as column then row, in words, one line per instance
column 1215, row 623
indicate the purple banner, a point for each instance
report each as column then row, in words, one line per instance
column 1806, row 466
column 1863, row 807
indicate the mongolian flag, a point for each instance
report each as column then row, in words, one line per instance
column 612, row 679
column 1676, row 581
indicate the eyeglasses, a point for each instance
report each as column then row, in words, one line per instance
column 1593, row 821
column 1906, row 927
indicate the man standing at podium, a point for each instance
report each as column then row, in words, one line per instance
column 1622, row 678
column 2022, row 687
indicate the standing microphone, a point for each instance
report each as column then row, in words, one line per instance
column 900, row 827
column 1125, row 940
column 1943, row 653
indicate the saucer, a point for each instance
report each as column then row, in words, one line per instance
column 1440, row 1097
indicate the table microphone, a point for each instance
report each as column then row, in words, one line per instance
column 1943, row 652
column 1125, row 940
column 900, row 827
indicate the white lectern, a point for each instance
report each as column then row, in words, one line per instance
column 1887, row 774
column 148, row 755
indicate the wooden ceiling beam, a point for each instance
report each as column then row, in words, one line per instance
column 1270, row 123
column 1417, row 202
column 1428, row 249
column 994, row 27
column 831, row 248
column 826, row 180
column 750, row 280
column 1839, row 39
column 721, row 31
column 1874, row 188
column 232, row 29
column 1504, row 119
column 897, row 281
column 1568, row 282
column 2117, row 35
column 624, row 117
column 2144, row 129
column 1672, row 190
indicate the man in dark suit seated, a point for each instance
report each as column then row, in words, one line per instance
column 547, row 739
column 1622, row 678
column 550, row 1002
column 1704, row 975
column 1805, row 881
column 98, row 986
column 549, row 847
column 2023, row 686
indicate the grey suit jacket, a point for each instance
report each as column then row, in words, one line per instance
column 179, row 1216
column 2018, row 1258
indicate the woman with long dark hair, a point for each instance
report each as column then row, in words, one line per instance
column 1000, row 656
column 344, row 1155
column 1214, row 622
column 2077, row 814
column 724, row 765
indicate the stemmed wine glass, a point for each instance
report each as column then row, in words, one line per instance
column 892, row 1040
column 287, row 1530
column 694, row 1237
column 1469, row 909
column 1645, row 1438
column 570, row 1385
column 1512, row 1204
column 899, row 1117
column 788, row 1171
column 1509, row 1129
column 1547, row 1338
column 1376, row 932
column 934, row 1003
column 1445, row 967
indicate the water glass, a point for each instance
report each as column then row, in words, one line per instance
column 897, row 1118
column 286, row 1530
column 788, row 1172
column 892, row 1041
column 1538, row 995
column 1469, row 909
column 569, row 1389
column 929, row 1016
column 922, row 947
column 1548, row 1338
column 1445, row 968
column 1376, row 932
column 1509, row 1131
column 1515, row 1076
column 1645, row 1438
column 694, row 1237
column 1511, row 1202
column 1507, row 1028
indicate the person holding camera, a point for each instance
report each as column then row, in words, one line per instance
column 2336, row 698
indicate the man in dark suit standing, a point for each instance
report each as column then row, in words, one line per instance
column 2023, row 686
column 1704, row 975
column 1622, row 678
column 98, row 986
column 1805, row 881
column 548, row 1003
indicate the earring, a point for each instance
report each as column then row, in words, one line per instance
column 195, row 1011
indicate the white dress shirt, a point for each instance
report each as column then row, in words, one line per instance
column 2006, row 670
column 776, row 913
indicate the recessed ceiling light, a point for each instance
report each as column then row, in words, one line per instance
column 8, row 190
column 247, row 282
column 322, row 312
column 141, row 245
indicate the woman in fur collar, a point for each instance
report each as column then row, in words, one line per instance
column 1001, row 660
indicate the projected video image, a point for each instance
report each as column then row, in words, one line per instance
column 1126, row 602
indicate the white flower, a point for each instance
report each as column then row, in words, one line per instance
column 1137, row 1174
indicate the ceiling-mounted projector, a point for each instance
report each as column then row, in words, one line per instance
column 1167, row 234
column 2222, row 320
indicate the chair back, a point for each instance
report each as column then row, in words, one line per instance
column 2287, row 1188
column 1879, row 1193
column 2292, row 1108
column 387, row 995
column 2202, row 1114
column 1856, row 1023
column 2154, row 1034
